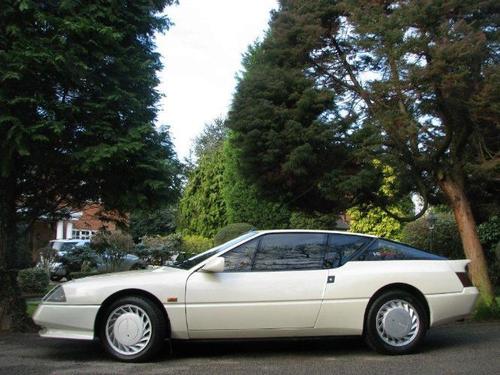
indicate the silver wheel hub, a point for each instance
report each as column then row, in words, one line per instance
column 128, row 329
column 397, row 323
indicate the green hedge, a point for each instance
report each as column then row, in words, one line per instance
column 193, row 244
column 444, row 239
column 33, row 280
column 231, row 231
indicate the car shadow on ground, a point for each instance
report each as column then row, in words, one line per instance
column 68, row 350
column 269, row 348
column 60, row 350
column 82, row 351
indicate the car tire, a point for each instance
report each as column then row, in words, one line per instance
column 396, row 323
column 133, row 329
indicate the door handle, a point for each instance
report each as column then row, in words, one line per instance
column 330, row 280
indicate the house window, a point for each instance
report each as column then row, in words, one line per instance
column 79, row 234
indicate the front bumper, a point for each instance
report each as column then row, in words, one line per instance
column 59, row 320
column 450, row 307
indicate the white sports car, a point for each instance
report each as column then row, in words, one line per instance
column 267, row 284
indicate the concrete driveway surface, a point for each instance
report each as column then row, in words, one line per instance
column 467, row 348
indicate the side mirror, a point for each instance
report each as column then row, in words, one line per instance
column 215, row 265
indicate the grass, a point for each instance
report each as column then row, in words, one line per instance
column 31, row 307
column 484, row 312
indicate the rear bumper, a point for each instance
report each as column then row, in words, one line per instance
column 66, row 321
column 450, row 307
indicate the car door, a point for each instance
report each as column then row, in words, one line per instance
column 340, row 249
column 271, row 282
column 342, row 311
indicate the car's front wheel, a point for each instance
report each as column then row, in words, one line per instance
column 396, row 323
column 133, row 329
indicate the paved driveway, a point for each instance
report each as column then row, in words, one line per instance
column 472, row 348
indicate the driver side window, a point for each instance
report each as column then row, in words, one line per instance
column 240, row 258
column 341, row 247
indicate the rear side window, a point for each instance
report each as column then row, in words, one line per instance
column 290, row 251
column 341, row 246
column 388, row 250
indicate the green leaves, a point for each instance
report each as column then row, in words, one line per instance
column 281, row 118
column 78, row 105
column 25, row 5
column 335, row 85
column 202, row 209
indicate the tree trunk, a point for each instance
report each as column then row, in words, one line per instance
column 455, row 194
column 13, row 314
column 12, row 306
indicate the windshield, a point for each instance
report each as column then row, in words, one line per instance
column 193, row 261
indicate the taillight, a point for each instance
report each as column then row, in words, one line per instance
column 464, row 279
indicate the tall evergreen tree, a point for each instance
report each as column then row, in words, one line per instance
column 281, row 125
column 414, row 84
column 77, row 111
column 211, row 137
column 202, row 209
column 244, row 203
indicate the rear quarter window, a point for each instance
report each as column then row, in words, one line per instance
column 389, row 250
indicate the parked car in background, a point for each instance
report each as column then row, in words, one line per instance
column 64, row 262
column 268, row 284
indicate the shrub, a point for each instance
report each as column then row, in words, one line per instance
column 80, row 259
column 47, row 256
column 156, row 250
column 33, row 280
column 231, row 231
column 193, row 244
column 113, row 247
column 375, row 221
column 489, row 234
column 314, row 220
column 487, row 312
column 444, row 239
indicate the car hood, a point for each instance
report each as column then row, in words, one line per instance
column 127, row 275
column 95, row 289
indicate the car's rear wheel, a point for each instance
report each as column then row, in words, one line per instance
column 133, row 329
column 396, row 323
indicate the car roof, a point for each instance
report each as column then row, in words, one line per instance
column 70, row 240
column 313, row 231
